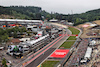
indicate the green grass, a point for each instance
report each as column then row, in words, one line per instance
column 67, row 44
column 72, row 38
column 49, row 63
column 73, row 30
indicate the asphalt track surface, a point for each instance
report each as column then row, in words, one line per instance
column 42, row 57
column 45, row 54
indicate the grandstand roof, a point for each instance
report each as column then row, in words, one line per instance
column 18, row 20
column 88, row 52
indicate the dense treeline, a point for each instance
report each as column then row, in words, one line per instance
column 21, row 12
column 12, row 32
column 31, row 12
column 87, row 17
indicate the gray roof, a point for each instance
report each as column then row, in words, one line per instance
column 18, row 20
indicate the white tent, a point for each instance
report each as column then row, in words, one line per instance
column 93, row 25
column 83, row 61
column 88, row 53
column 93, row 42
column 53, row 20
column 24, row 39
column 37, row 40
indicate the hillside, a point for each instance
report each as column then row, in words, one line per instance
column 21, row 12
column 28, row 12
column 88, row 16
column 32, row 12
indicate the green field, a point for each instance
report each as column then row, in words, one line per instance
column 49, row 63
column 67, row 44
column 72, row 38
column 73, row 30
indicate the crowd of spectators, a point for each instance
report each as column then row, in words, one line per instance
column 97, row 64
column 93, row 34
column 97, row 61
column 80, row 52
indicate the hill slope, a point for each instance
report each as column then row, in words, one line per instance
column 28, row 12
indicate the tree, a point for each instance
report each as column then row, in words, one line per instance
column 4, row 62
column 48, row 17
column 38, row 16
column 23, row 29
column 15, row 34
column 28, row 33
column 4, row 37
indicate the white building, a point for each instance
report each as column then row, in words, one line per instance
column 33, row 28
column 21, row 21
column 53, row 20
column 24, row 39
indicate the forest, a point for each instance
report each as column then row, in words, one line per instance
column 12, row 32
column 36, row 13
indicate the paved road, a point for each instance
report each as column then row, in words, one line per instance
column 62, row 40
column 42, row 57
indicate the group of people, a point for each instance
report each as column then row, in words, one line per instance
column 80, row 52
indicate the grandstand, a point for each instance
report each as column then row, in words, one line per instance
column 79, row 54
column 2, row 21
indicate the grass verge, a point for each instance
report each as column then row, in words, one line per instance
column 73, row 30
column 67, row 44
column 49, row 63
column 72, row 38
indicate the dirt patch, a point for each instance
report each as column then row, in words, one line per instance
column 6, row 16
column 86, row 30
column 97, row 22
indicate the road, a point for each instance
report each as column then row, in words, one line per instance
column 44, row 55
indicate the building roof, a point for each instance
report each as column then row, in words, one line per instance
column 35, row 41
column 18, row 20
column 53, row 20
column 24, row 39
column 88, row 53
column 15, row 40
